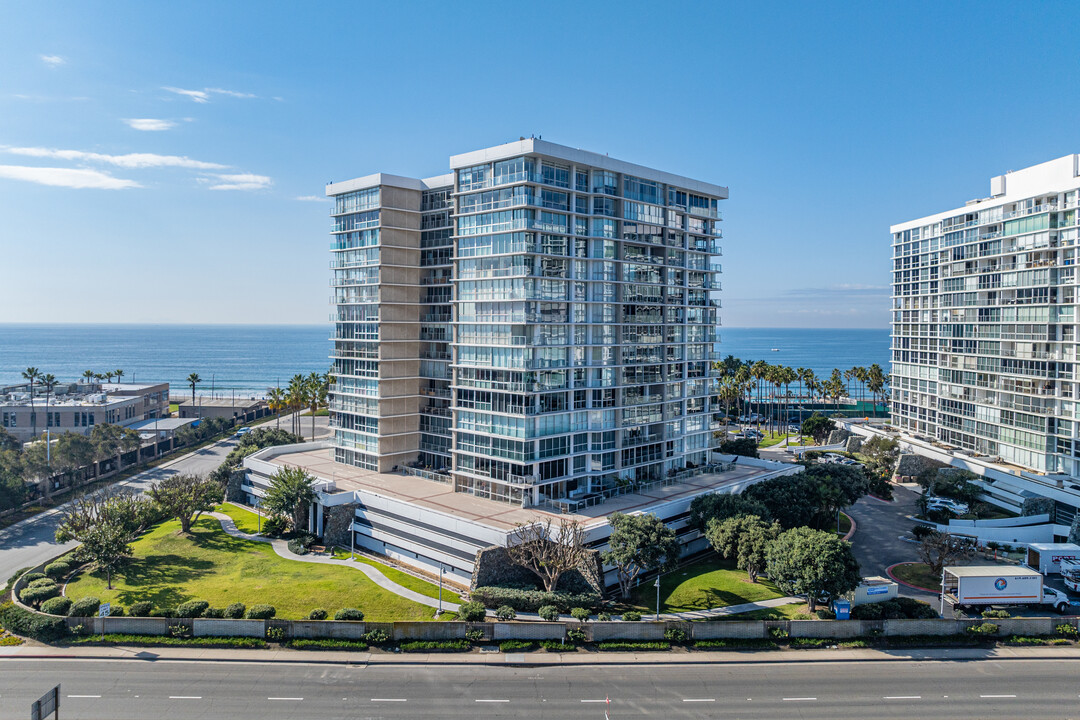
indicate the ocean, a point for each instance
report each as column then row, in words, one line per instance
column 249, row 359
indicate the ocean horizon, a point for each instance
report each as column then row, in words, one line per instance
column 249, row 359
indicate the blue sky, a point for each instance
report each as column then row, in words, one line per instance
column 163, row 162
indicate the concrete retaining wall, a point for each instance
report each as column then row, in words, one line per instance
column 203, row 627
column 529, row 631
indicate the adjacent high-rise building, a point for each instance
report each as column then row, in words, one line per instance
column 984, row 325
column 538, row 324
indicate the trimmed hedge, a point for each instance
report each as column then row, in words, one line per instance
column 505, row 612
column 631, row 616
column 35, row 595
column 317, row 614
column 125, row 639
column 86, row 607
column 436, row 646
column 57, row 569
column 41, row 582
column 517, row 646
column 301, row 644
column 736, row 644
column 895, row 609
column 56, row 606
column 633, row 646
column 261, row 612
column 549, row 613
column 349, row 614
column 27, row 624
column 31, row 577
column 213, row 612
column 471, row 611
column 191, row 609
column 235, row 611
column 533, row 600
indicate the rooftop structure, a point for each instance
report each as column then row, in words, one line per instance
column 78, row 407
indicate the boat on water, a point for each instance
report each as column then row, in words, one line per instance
column 775, row 350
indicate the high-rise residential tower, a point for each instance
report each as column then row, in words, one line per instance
column 539, row 324
column 984, row 327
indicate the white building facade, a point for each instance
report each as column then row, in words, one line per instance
column 984, row 326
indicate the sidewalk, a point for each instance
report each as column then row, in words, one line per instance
column 675, row 657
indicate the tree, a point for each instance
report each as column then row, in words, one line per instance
column 12, row 483
column 296, row 397
column 793, row 500
column 109, row 375
column 186, row 497
column 717, row 506
column 88, row 375
column 193, row 379
column 939, row 549
column 73, row 451
column 746, row 447
column 876, row 380
column 818, row 427
column 8, row 441
column 105, row 524
column 817, row 564
column 113, row 441
column 118, row 374
column 31, row 374
column 290, row 494
column 317, row 387
column 639, row 542
column 547, row 550
column 276, row 401
column 744, row 538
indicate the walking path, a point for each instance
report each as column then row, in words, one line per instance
column 374, row 574
column 282, row 549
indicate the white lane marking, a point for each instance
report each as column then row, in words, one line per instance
column 594, row 701
column 185, row 697
column 478, row 700
column 902, row 697
column 699, row 699
column 84, row 696
column 285, row 698
column 997, row 696
column 798, row 699
column 389, row 700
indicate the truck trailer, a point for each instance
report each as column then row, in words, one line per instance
column 982, row 585
column 1047, row 557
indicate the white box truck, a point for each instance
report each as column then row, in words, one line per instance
column 1047, row 557
column 983, row 585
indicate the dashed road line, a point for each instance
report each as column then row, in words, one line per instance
column 594, row 700
column 285, row 698
column 997, row 696
column 389, row 700
column 489, row 700
column 185, row 697
column 798, row 699
column 699, row 699
column 84, row 696
column 902, row 697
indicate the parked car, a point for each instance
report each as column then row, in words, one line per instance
column 794, row 428
column 242, row 432
column 934, row 502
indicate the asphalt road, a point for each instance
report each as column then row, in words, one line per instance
column 31, row 541
column 108, row 690
column 879, row 525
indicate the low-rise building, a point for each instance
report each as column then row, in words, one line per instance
column 240, row 409
column 78, row 407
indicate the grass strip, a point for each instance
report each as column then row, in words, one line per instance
column 736, row 644
column 517, row 646
column 436, row 646
column 149, row 640
column 306, row 644
column 632, row 646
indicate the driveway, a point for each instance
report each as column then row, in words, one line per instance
column 877, row 542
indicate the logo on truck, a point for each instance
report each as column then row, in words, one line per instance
column 1000, row 584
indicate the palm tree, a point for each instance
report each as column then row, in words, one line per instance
column 317, row 387
column 109, row 375
column 788, row 376
column 49, row 383
column 876, row 380
column 836, row 386
column 119, row 374
column 193, row 380
column 849, row 375
column 296, row 397
column 99, row 377
column 276, row 398
column 861, row 376
column 88, row 375
column 32, row 374
column 776, row 373
column 759, row 371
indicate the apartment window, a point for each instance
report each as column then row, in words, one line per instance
column 581, row 181
column 604, row 182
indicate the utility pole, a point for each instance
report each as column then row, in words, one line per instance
column 440, row 590
column 657, row 585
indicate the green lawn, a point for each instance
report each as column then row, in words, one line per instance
column 845, row 524
column 707, row 583
column 917, row 574
column 774, row 438
column 404, row 579
column 783, row 612
column 246, row 521
column 173, row 407
column 169, row 568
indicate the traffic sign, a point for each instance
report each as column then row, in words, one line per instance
column 104, row 609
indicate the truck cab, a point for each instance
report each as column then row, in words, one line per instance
column 1055, row 599
column 1070, row 573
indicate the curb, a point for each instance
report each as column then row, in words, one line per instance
column 888, row 571
column 854, row 527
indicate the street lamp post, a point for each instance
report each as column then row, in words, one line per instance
column 657, row 586
column 440, row 589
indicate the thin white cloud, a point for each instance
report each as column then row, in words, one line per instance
column 312, row 198
column 240, row 181
column 130, row 160
column 203, row 96
column 53, row 60
column 66, row 177
column 149, row 124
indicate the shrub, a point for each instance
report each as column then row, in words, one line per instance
column 436, row 646
column 505, row 612
column 57, row 569
column 474, row 635
column 580, row 614
column 165, row 612
column 996, row 614
column 276, row 634
column 557, row 646
column 116, row 611
column 676, row 635
column 811, row 642
column 56, row 606
column 86, row 607
column 235, row 611
column 826, row 614
column 920, row 532
column 983, row 629
column 214, row 613
column 349, row 614
column 897, row 608
column 532, row 600
column 603, row 617
column 41, row 582
column 261, row 612
column 376, row 637
column 631, row 616
column 575, row 635
column 179, row 631
column 735, row 644
column 36, row 595
column 801, row 616
column 778, row 633
column 471, row 612
column 79, row 630
column 31, row 577
column 274, row 526
column 632, row 646
column 301, row 544
column 317, row 614
column 191, row 609
column 1067, row 631
column 549, row 613
column 516, row 646
column 301, row 644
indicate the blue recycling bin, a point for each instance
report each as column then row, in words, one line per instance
column 842, row 608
